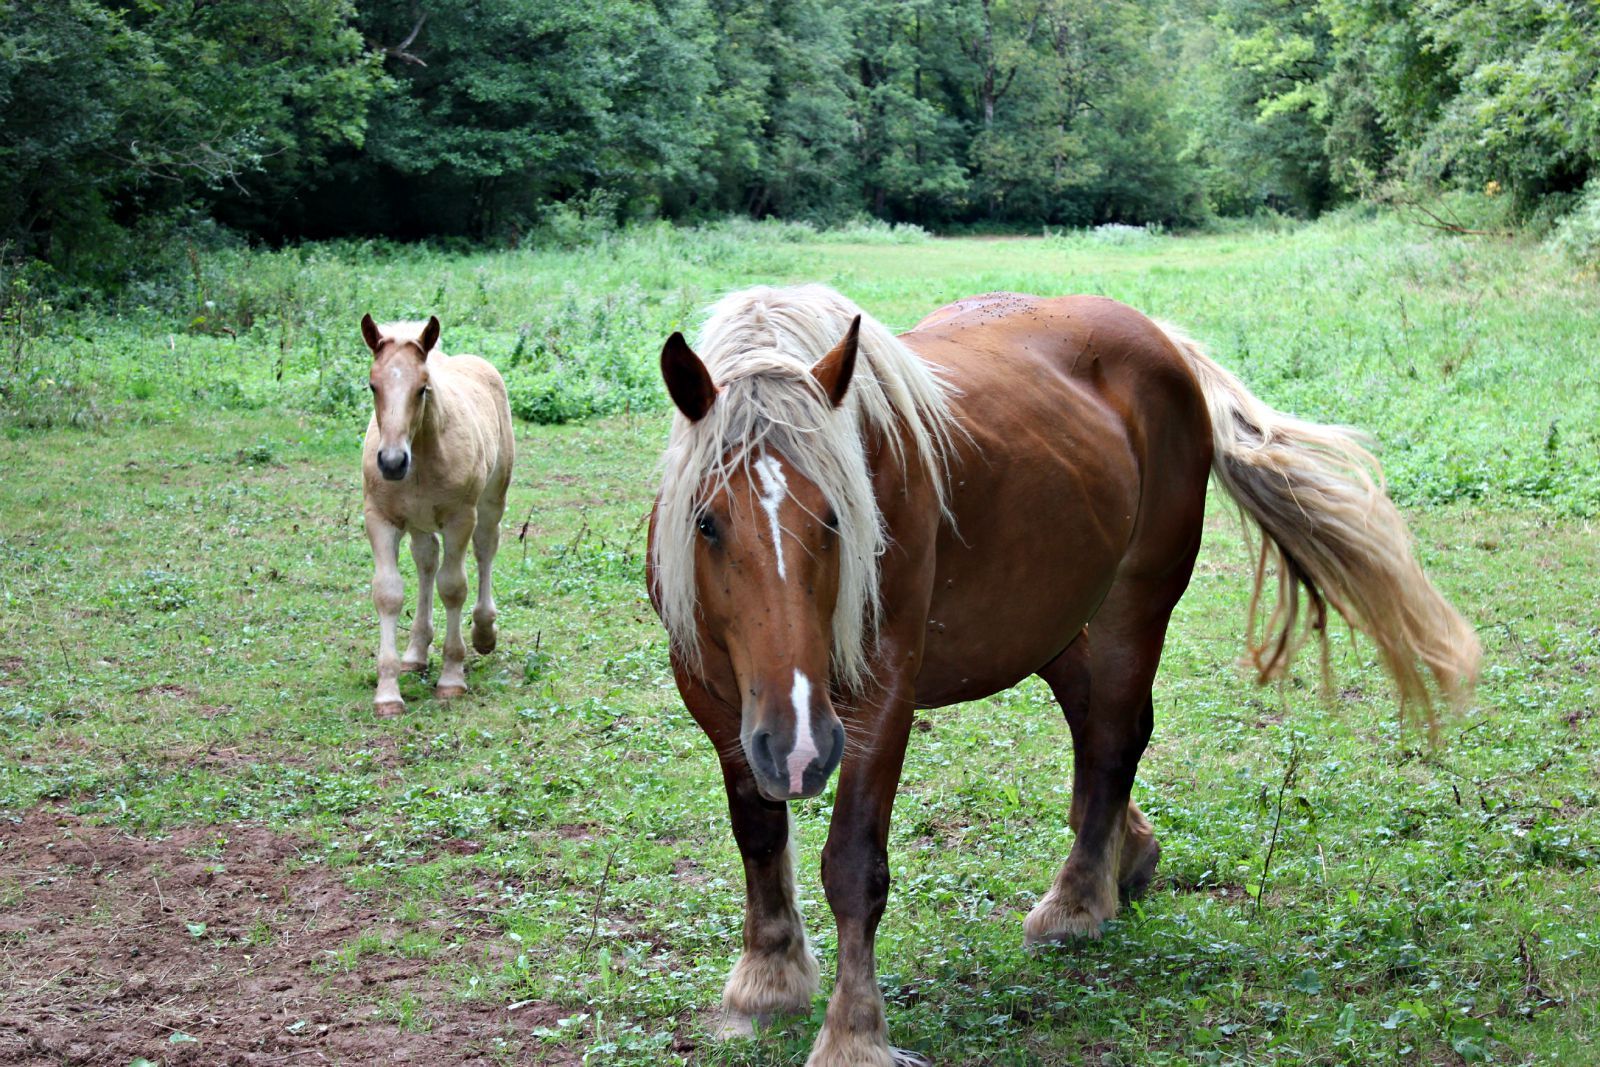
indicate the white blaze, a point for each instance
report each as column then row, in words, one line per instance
column 774, row 487
column 805, row 749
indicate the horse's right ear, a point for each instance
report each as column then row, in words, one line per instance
column 369, row 333
column 688, row 381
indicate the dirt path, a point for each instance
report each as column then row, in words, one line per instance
column 218, row 945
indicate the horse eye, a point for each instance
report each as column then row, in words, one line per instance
column 832, row 520
column 707, row 526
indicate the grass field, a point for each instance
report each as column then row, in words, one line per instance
column 210, row 851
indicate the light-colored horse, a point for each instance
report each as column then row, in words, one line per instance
column 437, row 460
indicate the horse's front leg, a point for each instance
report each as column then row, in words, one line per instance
column 855, row 874
column 453, row 592
column 425, row 553
column 388, row 596
column 776, row 974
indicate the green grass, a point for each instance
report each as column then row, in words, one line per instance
column 182, row 573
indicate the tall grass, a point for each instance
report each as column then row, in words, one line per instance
column 1470, row 360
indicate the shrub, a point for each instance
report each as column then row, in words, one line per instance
column 1577, row 235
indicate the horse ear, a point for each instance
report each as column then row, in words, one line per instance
column 687, row 379
column 370, row 334
column 430, row 335
column 833, row 370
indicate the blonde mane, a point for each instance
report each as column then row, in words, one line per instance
column 760, row 345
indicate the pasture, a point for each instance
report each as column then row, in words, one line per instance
column 212, row 852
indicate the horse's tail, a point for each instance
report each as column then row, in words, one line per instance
column 1331, row 531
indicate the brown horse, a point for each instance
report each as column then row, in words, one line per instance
column 852, row 525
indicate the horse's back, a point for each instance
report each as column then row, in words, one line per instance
column 1078, row 336
column 476, row 377
column 1078, row 350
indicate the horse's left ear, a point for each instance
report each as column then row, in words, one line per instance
column 833, row 370
column 430, row 335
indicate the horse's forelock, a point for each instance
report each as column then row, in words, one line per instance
column 403, row 331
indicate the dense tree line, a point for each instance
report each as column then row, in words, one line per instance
column 487, row 118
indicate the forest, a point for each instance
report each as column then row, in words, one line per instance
column 129, row 128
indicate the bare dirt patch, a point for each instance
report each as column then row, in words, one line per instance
column 165, row 689
column 111, row 944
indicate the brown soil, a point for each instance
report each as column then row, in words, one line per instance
column 103, row 960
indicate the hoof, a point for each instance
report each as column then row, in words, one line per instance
column 448, row 692
column 732, row 1025
column 857, row 1050
column 411, row 666
column 389, row 709
column 1053, row 923
column 1138, row 879
column 483, row 643
column 768, row 986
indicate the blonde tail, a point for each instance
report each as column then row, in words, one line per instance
column 1332, row 532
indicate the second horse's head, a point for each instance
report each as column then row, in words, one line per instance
column 399, row 383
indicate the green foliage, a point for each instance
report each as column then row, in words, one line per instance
column 128, row 133
column 512, row 103
column 1072, row 115
column 1578, row 234
column 114, row 113
column 1327, row 98
column 1484, row 90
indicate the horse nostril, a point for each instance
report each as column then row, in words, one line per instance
column 828, row 758
column 761, row 750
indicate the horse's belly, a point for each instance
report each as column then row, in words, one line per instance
column 993, row 622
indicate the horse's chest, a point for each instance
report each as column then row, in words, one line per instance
column 427, row 508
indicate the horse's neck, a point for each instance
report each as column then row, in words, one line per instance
column 436, row 413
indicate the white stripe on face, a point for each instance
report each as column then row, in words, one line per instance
column 774, row 487
column 805, row 749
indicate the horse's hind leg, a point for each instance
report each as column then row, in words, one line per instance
column 1103, row 683
column 425, row 553
column 485, row 543
column 1069, row 680
column 453, row 591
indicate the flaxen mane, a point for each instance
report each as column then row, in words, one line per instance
column 760, row 345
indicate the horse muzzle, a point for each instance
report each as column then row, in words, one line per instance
column 794, row 767
column 394, row 463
